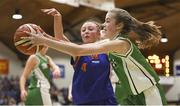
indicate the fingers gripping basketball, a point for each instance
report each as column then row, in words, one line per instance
column 19, row 43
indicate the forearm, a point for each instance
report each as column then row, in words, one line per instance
column 62, row 46
column 58, row 28
column 73, row 49
column 22, row 83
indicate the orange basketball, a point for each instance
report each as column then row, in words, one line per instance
column 19, row 42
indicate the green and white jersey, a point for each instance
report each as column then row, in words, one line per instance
column 134, row 72
column 40, row 75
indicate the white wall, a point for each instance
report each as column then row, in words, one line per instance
column 15, row 65
column 63, row 59
column 174, row 92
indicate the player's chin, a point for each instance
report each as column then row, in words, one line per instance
column 88, row 41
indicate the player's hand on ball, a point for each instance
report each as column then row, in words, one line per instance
column 34, row 39
column 23, row 44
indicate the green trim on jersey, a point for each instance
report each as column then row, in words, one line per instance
column 134, row 72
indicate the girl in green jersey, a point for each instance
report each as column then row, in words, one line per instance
column 39, row 66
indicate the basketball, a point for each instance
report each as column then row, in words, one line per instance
column 19, row 42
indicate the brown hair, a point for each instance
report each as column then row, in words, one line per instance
column 99, row 25
column 148, row 33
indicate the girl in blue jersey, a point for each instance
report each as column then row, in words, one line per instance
column 138, row 82
column 91, row 83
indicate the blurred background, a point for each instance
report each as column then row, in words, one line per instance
column 165, row 57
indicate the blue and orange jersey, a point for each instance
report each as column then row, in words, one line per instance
column 91, row 80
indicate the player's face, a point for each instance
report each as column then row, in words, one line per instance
column 89, row 32
column 109, row 26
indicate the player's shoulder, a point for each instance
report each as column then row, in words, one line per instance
column 33, row 57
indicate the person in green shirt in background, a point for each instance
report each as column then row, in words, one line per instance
column 39, row 66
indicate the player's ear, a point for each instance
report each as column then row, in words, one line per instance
column 119, row 26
